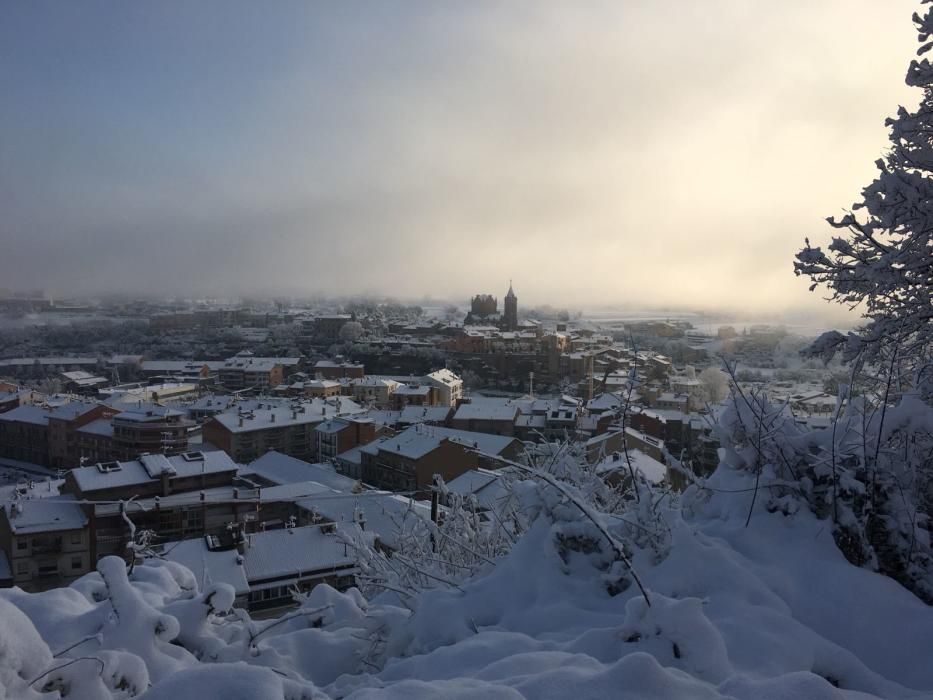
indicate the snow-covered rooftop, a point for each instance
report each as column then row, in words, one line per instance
column 663, row 414
column 423, row 414
column 282, row 469
column 605, row 402
column 148, row 467
column 444, row 376
column 311, row 411
column 650, row 468
column 34, row 515
column 334, row 425
column 101, row 426
column 486, row 410
column 252, row 364
column 416, row 390
column 485, row 485
column 148, row 413
column 419, row 440
column 40, row 415
column 383, row 512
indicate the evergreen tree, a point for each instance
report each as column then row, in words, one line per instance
column 883, row 257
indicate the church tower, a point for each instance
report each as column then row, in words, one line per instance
column 510, row 318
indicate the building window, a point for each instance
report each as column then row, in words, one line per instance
column 22, row 567
column 75, row 538
column 22, row 544
column 75, row 563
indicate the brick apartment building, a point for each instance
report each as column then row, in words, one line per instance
column 328, row 369
column 495, row 417
column 289, row 429
column 9, row 396
column 48, row 436
column 338, row 435
column 154, row 429
column 257, row 374
column 327, row 328
column 408, row 461
column 44, row 541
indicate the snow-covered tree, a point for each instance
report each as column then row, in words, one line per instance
column 868, row 474
column 351, row 331
column 882, row 260
column 50, row 385
column 872, row 469
column 715, row 384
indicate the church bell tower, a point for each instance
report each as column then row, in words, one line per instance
column 510, row 318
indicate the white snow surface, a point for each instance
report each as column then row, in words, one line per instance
column 768, row 612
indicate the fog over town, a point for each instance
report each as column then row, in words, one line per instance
column 606, row 153
column 417, row 350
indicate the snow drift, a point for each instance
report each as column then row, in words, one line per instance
column 769, row 611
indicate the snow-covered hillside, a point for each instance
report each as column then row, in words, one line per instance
column 769, row 611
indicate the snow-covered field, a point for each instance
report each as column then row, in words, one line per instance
column 771, row 611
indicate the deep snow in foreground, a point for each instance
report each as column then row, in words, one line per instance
column 765, row 612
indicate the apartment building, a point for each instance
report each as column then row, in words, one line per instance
column 265, row 568
column 179, row 497
column 373, row 391
column 44, row 541
column 194, row 371
column 256, row 374
column 151, row 475
column 311, row 388
column 409, row 460
column 47, row 435
column 289, row 428
column 155, row 429
column 548, row 420
column 338, row 435
column 328, row 369
column 81, row 382
column 487, row 416
column 448, row 387
column 327, row 328
column 9, row 396
column 412, row 395
column 213, row 512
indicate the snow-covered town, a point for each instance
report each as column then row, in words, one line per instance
column 441, row 350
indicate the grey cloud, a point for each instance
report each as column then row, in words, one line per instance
column 600, row 151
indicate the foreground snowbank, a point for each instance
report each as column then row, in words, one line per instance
column 768, row 611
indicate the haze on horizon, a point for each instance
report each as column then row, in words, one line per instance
column 613, row 151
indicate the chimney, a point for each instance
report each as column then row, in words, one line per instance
column 272, row 417
column 241, row 421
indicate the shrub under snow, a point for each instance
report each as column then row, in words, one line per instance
column 773, row 610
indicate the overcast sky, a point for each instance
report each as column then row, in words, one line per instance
column 595, row 152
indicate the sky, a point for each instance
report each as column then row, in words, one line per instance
column 595, row 152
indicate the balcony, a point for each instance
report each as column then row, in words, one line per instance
column 47, row 570
column 47, row 546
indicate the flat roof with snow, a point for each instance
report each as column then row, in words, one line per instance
column 35, row 515
column 417, row 441
column 110, row 475
column 282, row 469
